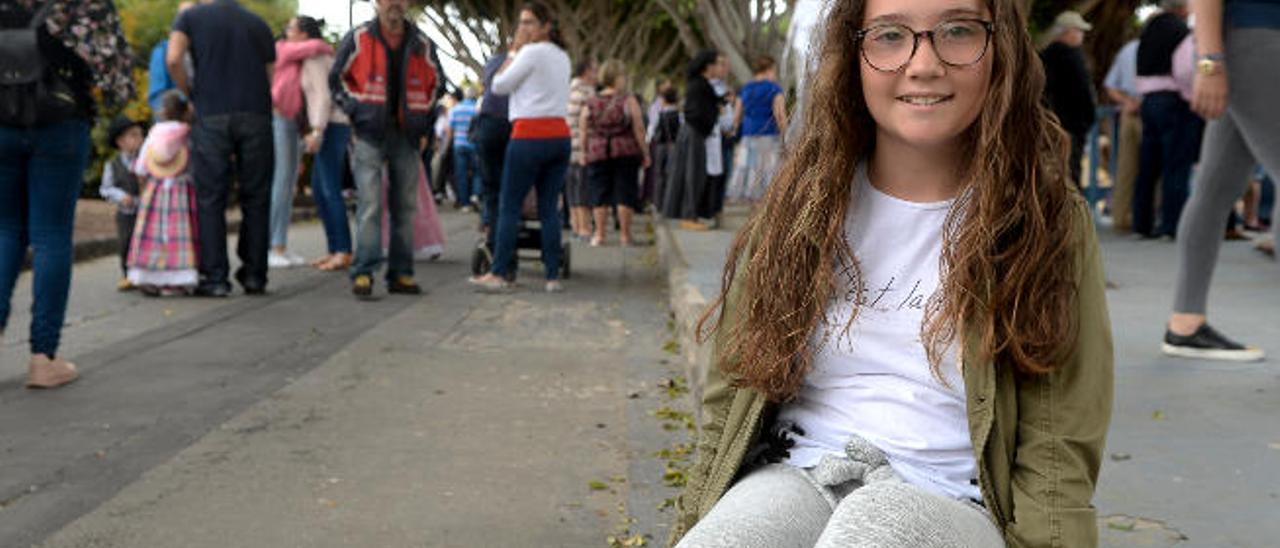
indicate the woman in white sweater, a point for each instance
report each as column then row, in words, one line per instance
column 536, row 77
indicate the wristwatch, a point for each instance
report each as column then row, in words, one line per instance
column 1209, row 64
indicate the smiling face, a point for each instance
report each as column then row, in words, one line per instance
column 927, row 102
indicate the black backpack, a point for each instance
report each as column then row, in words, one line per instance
column 31, row 91
column 668, row 127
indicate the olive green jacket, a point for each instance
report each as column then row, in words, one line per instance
column 1038, row 439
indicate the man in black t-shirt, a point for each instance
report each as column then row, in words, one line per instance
column 234, row 53
column 1068, row 86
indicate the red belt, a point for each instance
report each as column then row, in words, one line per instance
column 540, row 128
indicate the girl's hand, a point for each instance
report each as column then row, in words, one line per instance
column 1209, row 94
column 647, row 161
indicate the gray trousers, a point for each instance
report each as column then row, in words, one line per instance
column 854, row 502
column 1247, row 135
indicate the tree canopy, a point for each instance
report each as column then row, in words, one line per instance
column 147, row 22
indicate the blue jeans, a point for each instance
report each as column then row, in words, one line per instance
column 466, row 174
column 539, row 164
column 40, row 171
column 284, row 178
column 1171, row 136
column 401, row 159
column 326, row 186
column 492, row 136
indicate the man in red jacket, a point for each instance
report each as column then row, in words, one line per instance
column 387, row 79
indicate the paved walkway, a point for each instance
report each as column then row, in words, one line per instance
column 1193, row 457
column 306, row 418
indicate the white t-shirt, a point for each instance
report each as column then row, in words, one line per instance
column 874, row 380
column 537, row 81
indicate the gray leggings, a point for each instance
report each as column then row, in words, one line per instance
column 856, row 502
column 1247, row 135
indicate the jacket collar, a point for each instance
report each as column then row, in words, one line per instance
column 411, row 31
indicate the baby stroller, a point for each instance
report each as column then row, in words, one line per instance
column 528, row 237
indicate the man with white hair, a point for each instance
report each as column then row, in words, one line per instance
column 1068, row 86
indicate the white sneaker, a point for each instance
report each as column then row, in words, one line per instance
column 295, row 259
column 278, row 260
column 554, row 286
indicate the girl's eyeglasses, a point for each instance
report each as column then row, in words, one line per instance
column 957, row 42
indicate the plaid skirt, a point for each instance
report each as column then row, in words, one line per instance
column 163, row 249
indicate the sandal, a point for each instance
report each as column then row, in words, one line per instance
column 489, row 283
column 337, row 261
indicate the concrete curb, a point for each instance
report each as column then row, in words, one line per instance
column 687, row 305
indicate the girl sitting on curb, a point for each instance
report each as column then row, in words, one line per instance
column 913, row 347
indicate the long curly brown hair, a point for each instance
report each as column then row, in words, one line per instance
column 1007, row 266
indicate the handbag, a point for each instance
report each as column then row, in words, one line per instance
column 31, row 90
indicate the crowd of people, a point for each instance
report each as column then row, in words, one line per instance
column 572, row 142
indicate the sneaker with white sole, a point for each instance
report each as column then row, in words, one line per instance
column 278, row 260
column 554, row 286
column 295, row 259
column 1207, row 344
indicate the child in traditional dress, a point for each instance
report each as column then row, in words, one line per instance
column 162, row 256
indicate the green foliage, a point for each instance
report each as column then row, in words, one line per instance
column 147, row 22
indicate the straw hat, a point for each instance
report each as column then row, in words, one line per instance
column 167, row 155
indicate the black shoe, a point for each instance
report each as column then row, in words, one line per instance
column 250, row 287
column 362, row 286
column 404, row 285
column 1207, row 344
column 216, row 291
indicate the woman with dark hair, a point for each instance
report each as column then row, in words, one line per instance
column 536, row 76
column 328, row 140
column 664, row 127
column 690, row 191
column 912, row 345
column 44, row 150
column 294, row 115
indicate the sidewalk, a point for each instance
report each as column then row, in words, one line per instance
column 307, row 418
column 95, row 230
column 1193, row 456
